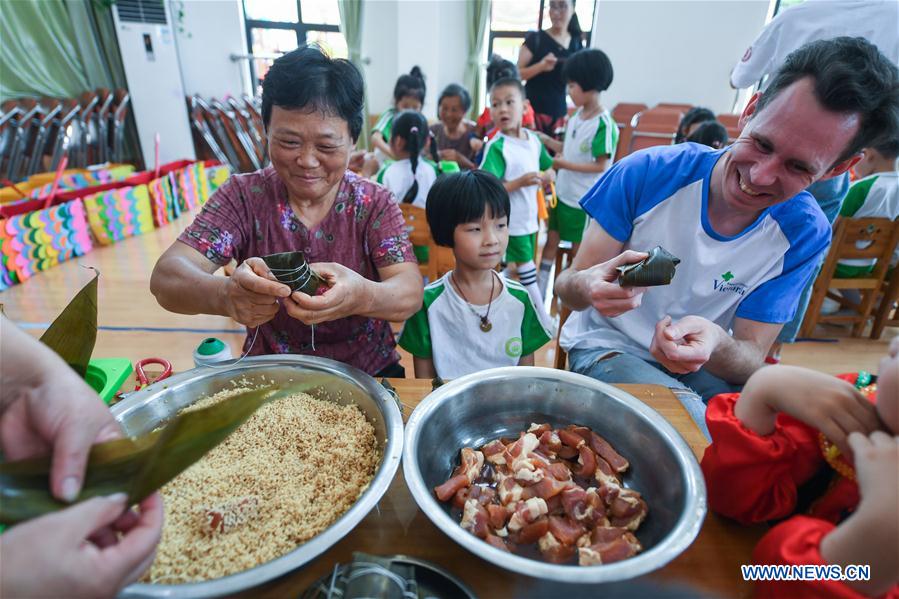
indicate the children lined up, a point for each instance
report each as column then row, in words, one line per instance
column 591, row 138
column 517, row 157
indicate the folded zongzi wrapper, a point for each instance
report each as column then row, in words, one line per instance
column 656, row 269
column 292, row 269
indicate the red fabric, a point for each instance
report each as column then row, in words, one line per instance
column 797, row 542
column 754, row 479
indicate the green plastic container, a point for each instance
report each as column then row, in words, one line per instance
column 107, row 375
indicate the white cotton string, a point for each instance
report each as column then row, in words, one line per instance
column 245, row 354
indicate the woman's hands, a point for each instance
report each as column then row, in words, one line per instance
column 349, row 294
column 251, row 294
column 548, row 62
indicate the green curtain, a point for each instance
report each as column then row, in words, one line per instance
column 38, row 52
column 61, row 48
column 351, row 28
column 477, row 13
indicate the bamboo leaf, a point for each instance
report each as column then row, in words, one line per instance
column 292, row 269
column 656, row 269
column 74, row 332
column 141, row 465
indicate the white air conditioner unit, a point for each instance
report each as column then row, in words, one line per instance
column 150, row 58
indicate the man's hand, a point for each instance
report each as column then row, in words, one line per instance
column 684, row 346
column 251, row 294
column 608, row 297
column 349, row 294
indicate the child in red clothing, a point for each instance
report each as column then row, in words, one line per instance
column 791, row 428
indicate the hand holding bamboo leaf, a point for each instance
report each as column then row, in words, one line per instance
column 47, row 409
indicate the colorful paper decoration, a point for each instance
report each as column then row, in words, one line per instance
column 41, row 239
column 119, row 213
column 166, row 207
column 192, row 186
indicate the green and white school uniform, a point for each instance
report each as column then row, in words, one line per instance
column 397, row 176
column 448, row 330
column 586, row 140
column 875, row 196
column 384, row 126
column 509, row 158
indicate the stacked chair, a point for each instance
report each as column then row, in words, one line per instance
column 229, row 131
column 641, row 127
column 36, row 134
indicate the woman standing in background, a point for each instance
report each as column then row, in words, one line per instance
column 540, row 62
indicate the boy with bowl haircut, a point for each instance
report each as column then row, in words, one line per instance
column 516, row 156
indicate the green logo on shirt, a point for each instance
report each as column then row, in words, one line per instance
column 513, row 347
column 727, row 276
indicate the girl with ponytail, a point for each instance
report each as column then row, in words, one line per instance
column 411, row 175
column 408, row 94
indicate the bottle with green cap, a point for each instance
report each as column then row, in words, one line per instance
column 210, row 351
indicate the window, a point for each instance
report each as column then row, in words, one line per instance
column 274, row 28
column 510, row 20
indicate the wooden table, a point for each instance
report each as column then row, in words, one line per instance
column 397, row 526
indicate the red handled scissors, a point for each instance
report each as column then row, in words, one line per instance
column 142, row 380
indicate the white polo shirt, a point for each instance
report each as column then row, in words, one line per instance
column 659, row 196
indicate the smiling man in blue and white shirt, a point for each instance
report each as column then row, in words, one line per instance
column 747, row 234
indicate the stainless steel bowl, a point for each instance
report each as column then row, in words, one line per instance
column 480, row 407
column 144, row 410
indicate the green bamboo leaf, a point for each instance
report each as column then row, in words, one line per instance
column 292, row 269
column 656, row 269
column 141, row 465
column 74, row 332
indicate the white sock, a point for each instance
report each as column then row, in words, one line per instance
column 546, row 267
column 527, row 276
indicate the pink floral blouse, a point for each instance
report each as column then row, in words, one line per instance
column 250, row 216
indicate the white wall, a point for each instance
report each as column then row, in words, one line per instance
column 676, row 51
column 207, row 33
column 399, row 34
column 662, row 50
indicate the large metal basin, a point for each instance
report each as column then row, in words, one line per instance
column 145, row 409
column 480, row 407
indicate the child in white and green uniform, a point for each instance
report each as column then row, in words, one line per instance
column 591, row 138
column 472, row 318
column 408, row 94
column 516, row 156
column 875, row 195
column 410, row 176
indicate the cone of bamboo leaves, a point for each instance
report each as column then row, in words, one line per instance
column 292, row 269
column 656, row 269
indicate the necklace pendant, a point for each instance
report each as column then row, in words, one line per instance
column 486, row 325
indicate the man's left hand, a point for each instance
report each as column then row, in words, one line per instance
column 349, row 294
column 684, row 346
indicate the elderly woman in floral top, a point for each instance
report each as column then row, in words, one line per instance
column 350, row 229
